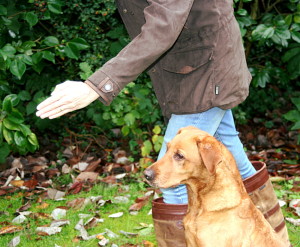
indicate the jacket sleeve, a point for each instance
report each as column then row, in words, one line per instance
column 164, row 22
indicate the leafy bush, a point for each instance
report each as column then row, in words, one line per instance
column 44, row 42
column 271, row 36
column 294, row 116
column 17, row 135
column 27, row 52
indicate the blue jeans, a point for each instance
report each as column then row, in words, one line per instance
column 220, row 124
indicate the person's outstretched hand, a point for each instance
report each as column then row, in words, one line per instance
column 66, row 97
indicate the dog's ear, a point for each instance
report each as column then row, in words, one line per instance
column 210, row 152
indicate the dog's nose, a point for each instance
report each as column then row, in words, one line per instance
column 149, row 174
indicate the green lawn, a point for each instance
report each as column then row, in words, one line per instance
column 128, row 223
column 67, row 237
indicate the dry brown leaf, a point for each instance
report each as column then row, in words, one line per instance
column 75, row 188
column 76, row 240
column 37, row 160
column 7, row 190
column 38, row 168
column 25, row 207
column 76, row 203
column 10, row 229
column 30, row 184
column 93, row 166
column 55, row 194
column 40, row 216
column 43, row 205
column 87, row 176
column 91, row 223
column 109, row 180
column 139, row 203
column 148, row 243
column 52, row 173
column 17, row 183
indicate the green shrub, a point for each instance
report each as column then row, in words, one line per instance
column 30, row 60
column 44, row 42
column 271, row 36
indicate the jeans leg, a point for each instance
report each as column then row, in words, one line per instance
column 227, row 134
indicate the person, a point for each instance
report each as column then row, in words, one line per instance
column 194, row 55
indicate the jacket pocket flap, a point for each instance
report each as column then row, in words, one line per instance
column 185, row 62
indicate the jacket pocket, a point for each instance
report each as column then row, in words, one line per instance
column 185, row 62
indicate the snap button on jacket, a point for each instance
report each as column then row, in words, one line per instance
column 192, row 50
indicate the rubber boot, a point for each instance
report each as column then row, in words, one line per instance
column 168, row 223
column 261, row 192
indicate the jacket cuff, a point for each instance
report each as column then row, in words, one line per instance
column 104, row 86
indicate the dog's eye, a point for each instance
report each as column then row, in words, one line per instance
column 178, row 156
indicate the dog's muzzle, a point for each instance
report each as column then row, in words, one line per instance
column 149, row 174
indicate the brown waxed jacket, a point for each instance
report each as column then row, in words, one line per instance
column 192, row 50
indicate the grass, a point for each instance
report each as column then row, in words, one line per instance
column 128, row 223
column 67, row 237
column 283, row 191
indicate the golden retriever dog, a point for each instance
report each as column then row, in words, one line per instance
column 220, row 212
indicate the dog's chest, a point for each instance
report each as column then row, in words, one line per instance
column 214, row 230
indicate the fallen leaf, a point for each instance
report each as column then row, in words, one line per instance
column 38, row 168
column 295, row 204
column 43, row 205
column 103, row 242
column 31, row 184
column 75, row 188
column 48, row 230
column 121, row 199
column 10, row 229
column 83, row 216
column 87, row 176
column 93, row 166
column 58, row 213
column 139, row 203
column 81, row 166
column 148, row 243
column 295, row 222
column 57, row 223
column 52, row 173
column 77, row 203
column 24, row 207
column 128, row 234
column 92, row 222
column 111, row 234
column 19, row 219
column 17, row 183
column 41, row 160
column 109, row 180
column 55, row 194
column 40, row 216
column 116, row 215
column 14, row 242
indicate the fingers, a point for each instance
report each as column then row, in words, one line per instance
column 58, row 112
column 57, row 109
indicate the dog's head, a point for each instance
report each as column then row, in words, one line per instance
column 192, row 154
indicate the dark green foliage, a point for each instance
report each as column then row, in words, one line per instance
column 271, row 36
column 44, row 42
